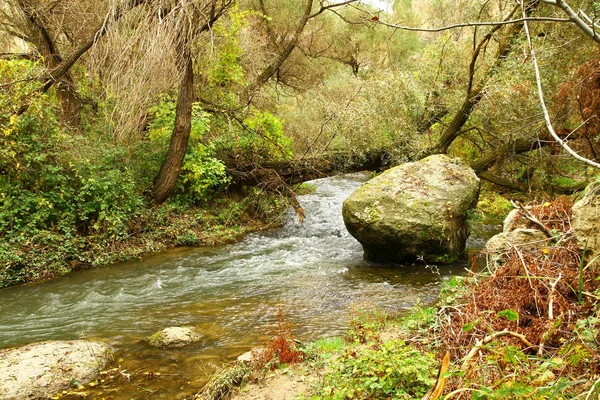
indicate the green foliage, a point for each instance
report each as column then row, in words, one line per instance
column 201, row 171
column 388, row 370
column 266, row 135
column 420, row 318
column 454, row 289
column 492, row 206
column 358, row 115
column 510, row 315
column 225, row 68
column 325, row 347
column 259, row 138
column 366, row 324
column 219, row 64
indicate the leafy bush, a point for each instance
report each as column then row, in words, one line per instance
column 387, row 370
column 55, row 187
column 258, row 138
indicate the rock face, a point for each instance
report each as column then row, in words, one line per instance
column 498, row 246
column 527, row 239
column 174, row 337
column 586, row 223
column 414, row 210
column 42, row 369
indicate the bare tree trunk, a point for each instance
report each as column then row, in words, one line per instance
column 66, row 92
column 164, row 184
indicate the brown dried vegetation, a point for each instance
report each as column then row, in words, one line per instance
column 581, row 97
column 282, row 347
column 531, row 302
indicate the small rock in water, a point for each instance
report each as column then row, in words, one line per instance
column 174, row 337
column 250, row 356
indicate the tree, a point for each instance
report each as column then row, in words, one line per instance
column 192, row 25
column 476, row 90
column 37, row 30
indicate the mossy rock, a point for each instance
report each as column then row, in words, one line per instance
column 586, row 224
column 416, row 210
column 174, row 337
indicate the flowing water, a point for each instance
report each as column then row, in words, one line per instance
column 314, row 272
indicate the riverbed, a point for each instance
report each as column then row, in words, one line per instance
column 313, row 272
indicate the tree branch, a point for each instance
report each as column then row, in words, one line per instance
column 542, row 102
column 480, row 343
column 573, row 17
column 330, row 6
column 473, row 24
column 65, row 65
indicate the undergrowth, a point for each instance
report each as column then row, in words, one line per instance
column 526, row 328
column 46, row 254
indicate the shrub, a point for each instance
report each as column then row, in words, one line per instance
column 387, row 370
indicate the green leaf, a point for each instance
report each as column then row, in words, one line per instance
column 509, row 315
column 468, row 327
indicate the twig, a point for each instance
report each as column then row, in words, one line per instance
column 551, row 295
column 525, row 213
column 481, row 342
column 550, row 312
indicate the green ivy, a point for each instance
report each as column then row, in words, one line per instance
column 387, row 370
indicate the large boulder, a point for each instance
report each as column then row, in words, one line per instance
column 586, row 223
column 415, row 210
column 174, row 337
column 42, row 369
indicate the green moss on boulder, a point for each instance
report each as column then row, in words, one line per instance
column 415, row 210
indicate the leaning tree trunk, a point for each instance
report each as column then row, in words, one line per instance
column 476, row 91
column 69, row 112
column 165, row 182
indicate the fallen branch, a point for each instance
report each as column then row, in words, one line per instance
column 550, row 312
column 436, row 392
column 529, row 216
column 480, row 343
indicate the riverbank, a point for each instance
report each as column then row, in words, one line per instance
column 48, row 254
column 411, row 357
column 528, row 326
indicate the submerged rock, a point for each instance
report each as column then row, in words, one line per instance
column 42, row 369
column 174, row 337
column 415, row 210
column 586, row 223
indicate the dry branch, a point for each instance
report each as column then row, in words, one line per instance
column 482, row 342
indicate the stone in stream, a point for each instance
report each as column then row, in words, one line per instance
column 414, row 210
column 41, row 370
column 174, row 337
column 586, row 223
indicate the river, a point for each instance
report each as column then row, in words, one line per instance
column 314, row 272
